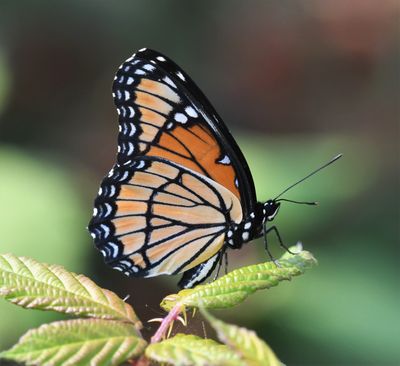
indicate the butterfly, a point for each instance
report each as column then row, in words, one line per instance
column 181, row 191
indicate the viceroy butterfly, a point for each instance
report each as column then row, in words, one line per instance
column 181, row 192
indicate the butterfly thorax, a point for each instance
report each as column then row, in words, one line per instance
column 248, row 229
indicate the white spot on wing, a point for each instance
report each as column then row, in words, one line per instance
column 140, row 72
column 131, row 58
column 180, row 117
column 191, row 112
column 149, row 67
column 133, row 129
column 130, row 80
column 225, row 160
column 124, row 176
column 169, row 81
column 114, row 248
column 130, row 149
column 112, row 188
column 106, row 230
column 126, row 263
column 180, row 76
column 160, row 58
column 109, row 209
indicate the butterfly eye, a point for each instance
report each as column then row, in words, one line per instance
column 273, row 213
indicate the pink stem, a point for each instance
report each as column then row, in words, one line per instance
column 166, row 322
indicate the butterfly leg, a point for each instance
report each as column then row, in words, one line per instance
column 222, row 255
column 275, row 229
column 265, row 232
column 226, row 262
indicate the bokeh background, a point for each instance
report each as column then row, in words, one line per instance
column 295, row 81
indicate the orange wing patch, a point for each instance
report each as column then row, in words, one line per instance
column 132, row 242
column 125, row 225
column 125, row 208
column 152, row 102
column 198, row 150
column 149, row 116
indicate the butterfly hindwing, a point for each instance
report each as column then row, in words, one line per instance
column 153, row 216
column 163, row 113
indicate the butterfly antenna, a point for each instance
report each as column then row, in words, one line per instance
column 298, row 202
column 309, row 175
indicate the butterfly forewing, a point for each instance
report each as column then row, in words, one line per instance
column 153, row 216
column 162, row 113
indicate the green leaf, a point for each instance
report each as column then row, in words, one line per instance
column 183, row 350
column 234, row 287
column 253, row 350
column 78, row 342
column 31, row 284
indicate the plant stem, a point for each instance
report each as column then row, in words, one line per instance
column 165, row 324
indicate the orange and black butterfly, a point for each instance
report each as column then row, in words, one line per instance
column 181, row 192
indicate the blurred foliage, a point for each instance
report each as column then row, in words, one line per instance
column 4, row 81
column 278, row 163
column 41, row 217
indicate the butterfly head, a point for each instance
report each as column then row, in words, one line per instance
column 270, row 209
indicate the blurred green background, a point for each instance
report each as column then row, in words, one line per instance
column 296, row 82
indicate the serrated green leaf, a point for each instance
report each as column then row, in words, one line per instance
column 190, row 350
column 253, row 350
column 234, row 287
column 78, row 342
column 31, row 284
